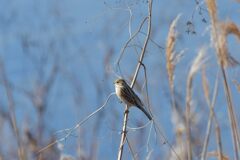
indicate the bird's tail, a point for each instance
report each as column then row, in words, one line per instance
column 146, row 113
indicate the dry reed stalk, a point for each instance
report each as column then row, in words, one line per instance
column 220, row 31
column 205, row 85
column 230, row 28
column 218, row 139
column 231, row 115
column 215, row 154
column 219, row 34
column 224, row 30
column 197, row 63
column 212, row 9
column 172, row 58
column 209, row 124
column 170, row 53
column 124, row 129
column 211, row 117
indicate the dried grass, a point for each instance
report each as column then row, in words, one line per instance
column 205, row 85
column 196, row 65
column 215, row 154
column 230, row 28
column 212, row 9
column 170, row 52
column 226, row 29
column 219, row 33
column 198, row 62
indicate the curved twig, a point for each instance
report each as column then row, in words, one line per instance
column 126, row 45
column 69, row 131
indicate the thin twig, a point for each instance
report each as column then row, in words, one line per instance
column 157, row 128
column 69, row 131
column 141, row 127
column 155, row 43
column 129, row 40
column 124, row 129
column 146, row 86
column 130, row 21
column 148, row 139
column 153, row 120
column 131, row 149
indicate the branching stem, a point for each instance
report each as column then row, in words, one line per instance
column 124, row 129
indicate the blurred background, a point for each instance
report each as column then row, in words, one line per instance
column 58, row 62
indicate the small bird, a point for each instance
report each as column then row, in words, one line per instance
column 127, row 95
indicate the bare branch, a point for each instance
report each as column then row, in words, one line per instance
column 124, row 129
column 69, row 131
column 11, row 108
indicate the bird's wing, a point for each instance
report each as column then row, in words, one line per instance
column 131, row 97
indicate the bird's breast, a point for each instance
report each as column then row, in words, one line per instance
column 118, row 91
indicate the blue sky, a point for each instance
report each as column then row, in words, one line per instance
column 85, row 37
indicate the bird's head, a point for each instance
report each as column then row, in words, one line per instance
column 120, row 82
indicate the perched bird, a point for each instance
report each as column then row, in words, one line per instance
column 127, row 95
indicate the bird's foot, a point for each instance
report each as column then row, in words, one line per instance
column 126, row 111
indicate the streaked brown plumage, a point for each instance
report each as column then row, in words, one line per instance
column 127, row 95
